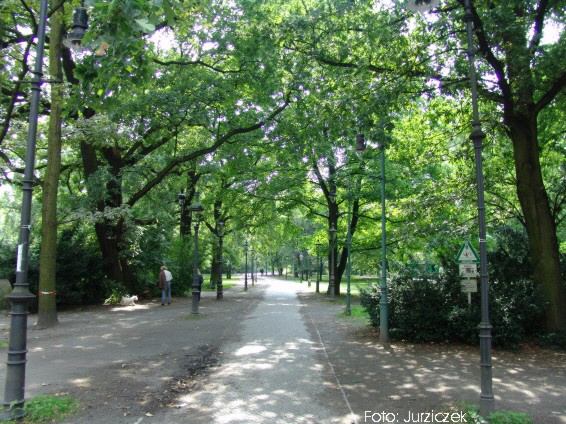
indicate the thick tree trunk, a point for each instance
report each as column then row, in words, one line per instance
column 108, row 233
column 540, row 224
column 47, row 312
column 215, row 269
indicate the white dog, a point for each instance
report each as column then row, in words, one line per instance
column 128, row 300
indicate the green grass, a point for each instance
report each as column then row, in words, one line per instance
column 225, row 286
column 357, row 313
column 499, row 417
column 356, row 282
column 48, row 409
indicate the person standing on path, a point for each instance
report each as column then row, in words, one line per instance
column 165, row 280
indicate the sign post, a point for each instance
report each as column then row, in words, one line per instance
column 468, row 260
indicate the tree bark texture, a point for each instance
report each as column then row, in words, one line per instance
column 539, row 221
column 47, row 309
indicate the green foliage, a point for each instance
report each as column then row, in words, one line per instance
column 49, row 409
column 80, row 275
column 473, row 416
column 435, row 310
column 555, row 341
column 116, row 290
column 7, row 261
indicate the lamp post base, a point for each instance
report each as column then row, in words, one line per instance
column 194, row 308
column 12, row 412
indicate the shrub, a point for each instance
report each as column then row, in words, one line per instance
column 553, row 340
column 433, row 310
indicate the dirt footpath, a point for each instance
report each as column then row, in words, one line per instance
column 129, row 364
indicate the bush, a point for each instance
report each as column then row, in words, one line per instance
column 555, row 341
column 115, row 290
column 435, row 310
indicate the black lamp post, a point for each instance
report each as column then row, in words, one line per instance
column 301, row 266
column 219, row 288
column 487, row 400
column 14, row 398
column 252, row 258
column 182, row 198
column 383, row 301
column 196, row 213
column 80, row 25
column 332, row 233
column 360, row 149
column 319, row 267
column 309, row 269
column 349, row 249
column 246, row 267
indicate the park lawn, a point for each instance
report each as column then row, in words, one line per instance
column 356, row 283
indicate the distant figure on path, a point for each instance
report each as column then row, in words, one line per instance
column 165, row 280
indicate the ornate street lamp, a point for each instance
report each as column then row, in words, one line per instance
column 309, row 269
column 219, row 288
column 14, row 398
column 252, row 257
column 196, row 213
column 332, row 234
column 301, row 267
column 383, row 301
column 182, row 199
column 487, row 400
column 246, row 267
column 79, row 27
column 319, row 267
column 360, row 149
column 349, row 249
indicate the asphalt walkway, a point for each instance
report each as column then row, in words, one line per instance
column 273, row 354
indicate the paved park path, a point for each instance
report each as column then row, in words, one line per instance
column 272, row 374
column 273, row 354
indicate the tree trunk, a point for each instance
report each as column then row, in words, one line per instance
column 47, row 312
column 540, row 224
column 215, row 274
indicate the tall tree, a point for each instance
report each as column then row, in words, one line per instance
column 525, row 76
column 47, row 312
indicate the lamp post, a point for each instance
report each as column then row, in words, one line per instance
column 319, row 267
column 246, row 267
column 252, row 257
column 309, row 269
column 349, row 248
column 383, row 301
column 196, row 212
column 487, row 400
column 182, row 198
column 360, row 149
column 80, row 25
column 331, row 285
column 219, row 288
column 332, row 235
column 14, row 398
column 301, row 267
